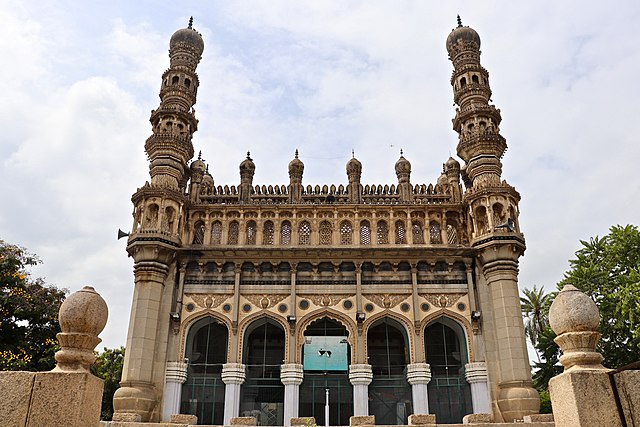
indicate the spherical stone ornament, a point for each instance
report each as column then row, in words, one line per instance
column 573, row 311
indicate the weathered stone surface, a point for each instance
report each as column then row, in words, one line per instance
column 362, row 420
column 244, row 421
column 15, row 394
column 583, row 398
column 628, row 384
column 72, row 399
column 477, row 418
column 539, row 418
column 303, row 421
column 187, row 419
column 126, row 417
column 422, row 419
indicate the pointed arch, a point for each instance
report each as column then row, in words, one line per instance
column 319, row 314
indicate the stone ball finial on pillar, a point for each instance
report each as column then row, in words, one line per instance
column 82, row 316
column 574, row 317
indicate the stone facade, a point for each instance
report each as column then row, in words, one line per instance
column 434, row 266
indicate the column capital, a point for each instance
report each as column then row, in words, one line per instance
column 176, row 372
column 418, row 373
column 233, row 373
column 291, row 374
column 475, row 372
column 360, row 374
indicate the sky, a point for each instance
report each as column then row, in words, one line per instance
column 80, row 79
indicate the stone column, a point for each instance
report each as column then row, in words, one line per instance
column 360, row 376
column 419, row 375
column 175, row 376
column 476, row 375
column 233, row 376
column 291, row 376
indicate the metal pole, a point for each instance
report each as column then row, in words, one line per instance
column 326, row 406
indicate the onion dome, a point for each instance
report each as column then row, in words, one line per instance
column 207, row 180
column 402, row 165
column 452, row 165
column 296, row 167
column 442, row 180
column 247, row 167
column 188, row 36
column 354, row 167
column 465, row 34
column 198, row 165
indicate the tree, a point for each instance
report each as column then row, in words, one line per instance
column 108, row 366
column 608, row 270
column 534, row 307
column 28, row 313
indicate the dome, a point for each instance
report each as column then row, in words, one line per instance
column 296, row 165
column 207, row 180
column 188, row 36
column 452, row 164
column 247, row 165
column 466, row 34
column 354, row 166
column 198, row 165
column 442, row 180
column 402, row 165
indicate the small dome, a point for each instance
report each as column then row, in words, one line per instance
column 452, row 164
column 207, row 180
column 198, row 165
column 402, row 165
column 296, row 164
column 354, row 166
column 466, row 34
column 189, row 36
column 247, row 165
column 442, row 180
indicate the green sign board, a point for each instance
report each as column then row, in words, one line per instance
column 325, row 354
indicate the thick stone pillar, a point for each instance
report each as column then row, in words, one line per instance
column 291, row 376
column 175, row 376
column 360, row 376
column 476, row 375
column 233, row 376
column 419, row 375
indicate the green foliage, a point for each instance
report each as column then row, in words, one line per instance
column 535, row 307
column 108, row 366
column 608, row 270
column 28, row 313
column 545, row 402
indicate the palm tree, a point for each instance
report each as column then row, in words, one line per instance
column 535, row 309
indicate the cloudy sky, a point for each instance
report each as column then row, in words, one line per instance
column 79, row 79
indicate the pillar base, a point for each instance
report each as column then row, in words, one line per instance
column 135, row 399
column 517, row 399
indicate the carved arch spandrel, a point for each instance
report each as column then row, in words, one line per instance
column 242, row 327
column 191, row 319
column 409, row 331
column 319, row 314
column 455, row 317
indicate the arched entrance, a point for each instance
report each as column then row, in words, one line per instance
column 206, row 352
column 262, row 394
column 389, row 392
column 315, row 383
column 446, row 353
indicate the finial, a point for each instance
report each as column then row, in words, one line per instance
column 296, row 153
column 200, row 155
column 401, row 152
column 459, row 22
column 248, row 155
column 206, row 169
column 353, row 154
column 190, row 23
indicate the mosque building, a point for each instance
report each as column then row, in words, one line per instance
column 264, row 300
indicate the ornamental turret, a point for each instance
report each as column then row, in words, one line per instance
column 354, row 172
column 296, row 169
column 170, row 148
column 480, row 144
column 403, row 172
column 247, row 170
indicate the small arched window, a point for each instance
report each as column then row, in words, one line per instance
column 251, row 233
column 474, row 79
column 267, row 233
column 175, row 80
column 304, row 233
column 463, row 82
column 234, row 231
column 401, row 233
column 365, row 233
column 346, row 233
column 383, row 233
column 285, row 233
column 216, row 233
column 187, row 83
column 416, row 231
column 198, row 233
column 435, row 236
column 325, row 233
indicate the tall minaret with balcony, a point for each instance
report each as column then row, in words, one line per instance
column 493, row 207
column 158, row 219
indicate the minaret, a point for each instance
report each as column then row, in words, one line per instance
column 491, row 202
column 157, row 227
column 403, row 172
column 296, row 169
column 247, row 169
column 354, row 172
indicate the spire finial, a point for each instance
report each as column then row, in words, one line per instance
column 459, row 21
column 206, row 169
column 353, row 154
column 248, row 155
column 200, row 155
column 401, row 153
column 190, row 23
column 296, row 153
